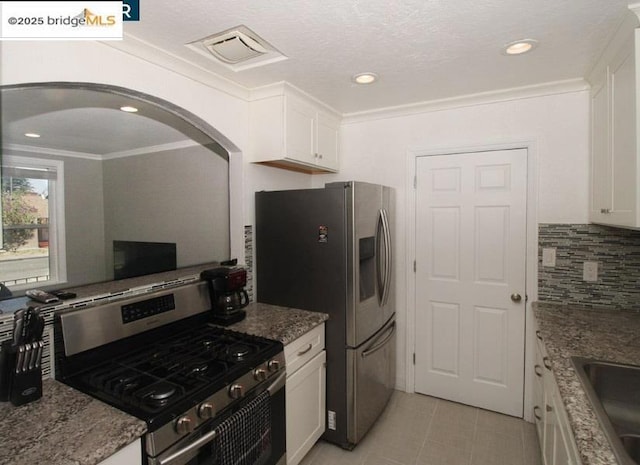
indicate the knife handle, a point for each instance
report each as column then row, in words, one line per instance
column 34, row 355
column 39, row 354
column 29, row 353
column 20, row 359
column 18, row 322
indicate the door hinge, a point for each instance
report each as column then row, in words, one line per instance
column 414, row 358
column 414, row 266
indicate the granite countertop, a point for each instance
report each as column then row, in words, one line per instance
column 570, row 330
column 67, row 427
column 280, row 323
column 64, row 427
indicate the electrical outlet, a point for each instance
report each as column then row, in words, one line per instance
column 549, row 257
column 590, row 271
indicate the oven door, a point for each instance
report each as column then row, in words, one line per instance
column 204, row 447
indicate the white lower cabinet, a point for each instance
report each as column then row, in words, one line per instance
column 128, row 455
column 557, row 444
column 305, row 393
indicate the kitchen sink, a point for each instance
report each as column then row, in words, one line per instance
column 614, row 392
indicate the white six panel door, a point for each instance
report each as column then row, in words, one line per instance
column 470, row 253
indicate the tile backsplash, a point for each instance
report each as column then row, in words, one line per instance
column 617, row 253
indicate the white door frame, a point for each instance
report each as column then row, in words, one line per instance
column 531, row 255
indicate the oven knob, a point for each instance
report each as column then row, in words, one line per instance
column 236, row 391
column 274, row 365
column 184, row 425
column 260, row 374
column 206, row 410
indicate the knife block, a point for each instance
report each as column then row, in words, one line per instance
column 26, row 387
column 16, row 385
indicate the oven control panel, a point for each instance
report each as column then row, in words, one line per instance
column 146, row 308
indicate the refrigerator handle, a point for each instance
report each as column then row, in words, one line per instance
column 387, row 255
column 379, row 345
column 380, row 236
column 383, row 264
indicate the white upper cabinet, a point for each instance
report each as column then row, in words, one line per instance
column 615, row 152
column 289, row 131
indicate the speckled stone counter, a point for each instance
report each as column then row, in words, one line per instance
column 569, row 330
column 64, row 427
column 279, row 323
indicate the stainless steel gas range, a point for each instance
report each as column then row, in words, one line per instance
column 209, row 395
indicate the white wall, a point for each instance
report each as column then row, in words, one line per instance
column 378, row 151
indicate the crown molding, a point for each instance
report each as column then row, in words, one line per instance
column 482, row 98
column 50, row 151
column 97, row 157
column 146, row 51
column 635, row 7
column 151, row 149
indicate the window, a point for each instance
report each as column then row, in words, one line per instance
column 32, row 251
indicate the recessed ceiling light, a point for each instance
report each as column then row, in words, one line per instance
column 33, row 135
column 519, row 47
column 129, row 109
column 364, row 78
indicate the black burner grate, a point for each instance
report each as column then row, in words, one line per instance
column 156, row 375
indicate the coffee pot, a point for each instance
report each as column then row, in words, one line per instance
column 227, row 293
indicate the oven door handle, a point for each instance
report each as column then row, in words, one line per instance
column 191, row 447
column 278, row 383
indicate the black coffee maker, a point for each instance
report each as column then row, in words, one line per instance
column 227, row 293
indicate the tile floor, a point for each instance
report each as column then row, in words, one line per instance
column 420, row 430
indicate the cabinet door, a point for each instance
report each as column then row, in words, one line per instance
column 306, row 408
column 300, row 123
column 600, row 157
column 128, row 455
column 623, row 139
column 550, row 424
column 538, row 397
column 327, row 141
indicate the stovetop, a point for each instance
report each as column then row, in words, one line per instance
column 158, row 380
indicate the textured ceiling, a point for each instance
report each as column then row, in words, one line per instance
column 422, row 49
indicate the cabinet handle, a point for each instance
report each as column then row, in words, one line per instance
column 549, row 408
column 536, row 409
column 320, row 156
column 302, row 352
column 605, row 210
column 538, row 373
column 538, row 334
column 547, row 363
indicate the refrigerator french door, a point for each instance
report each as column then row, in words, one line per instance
column 329, row 250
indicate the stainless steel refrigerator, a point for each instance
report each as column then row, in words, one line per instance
column 329, row 250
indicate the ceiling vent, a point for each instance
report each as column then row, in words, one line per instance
column 238, row 48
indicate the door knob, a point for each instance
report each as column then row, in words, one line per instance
column 516, row 297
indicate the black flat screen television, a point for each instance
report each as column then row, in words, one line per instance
column 131, row 258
